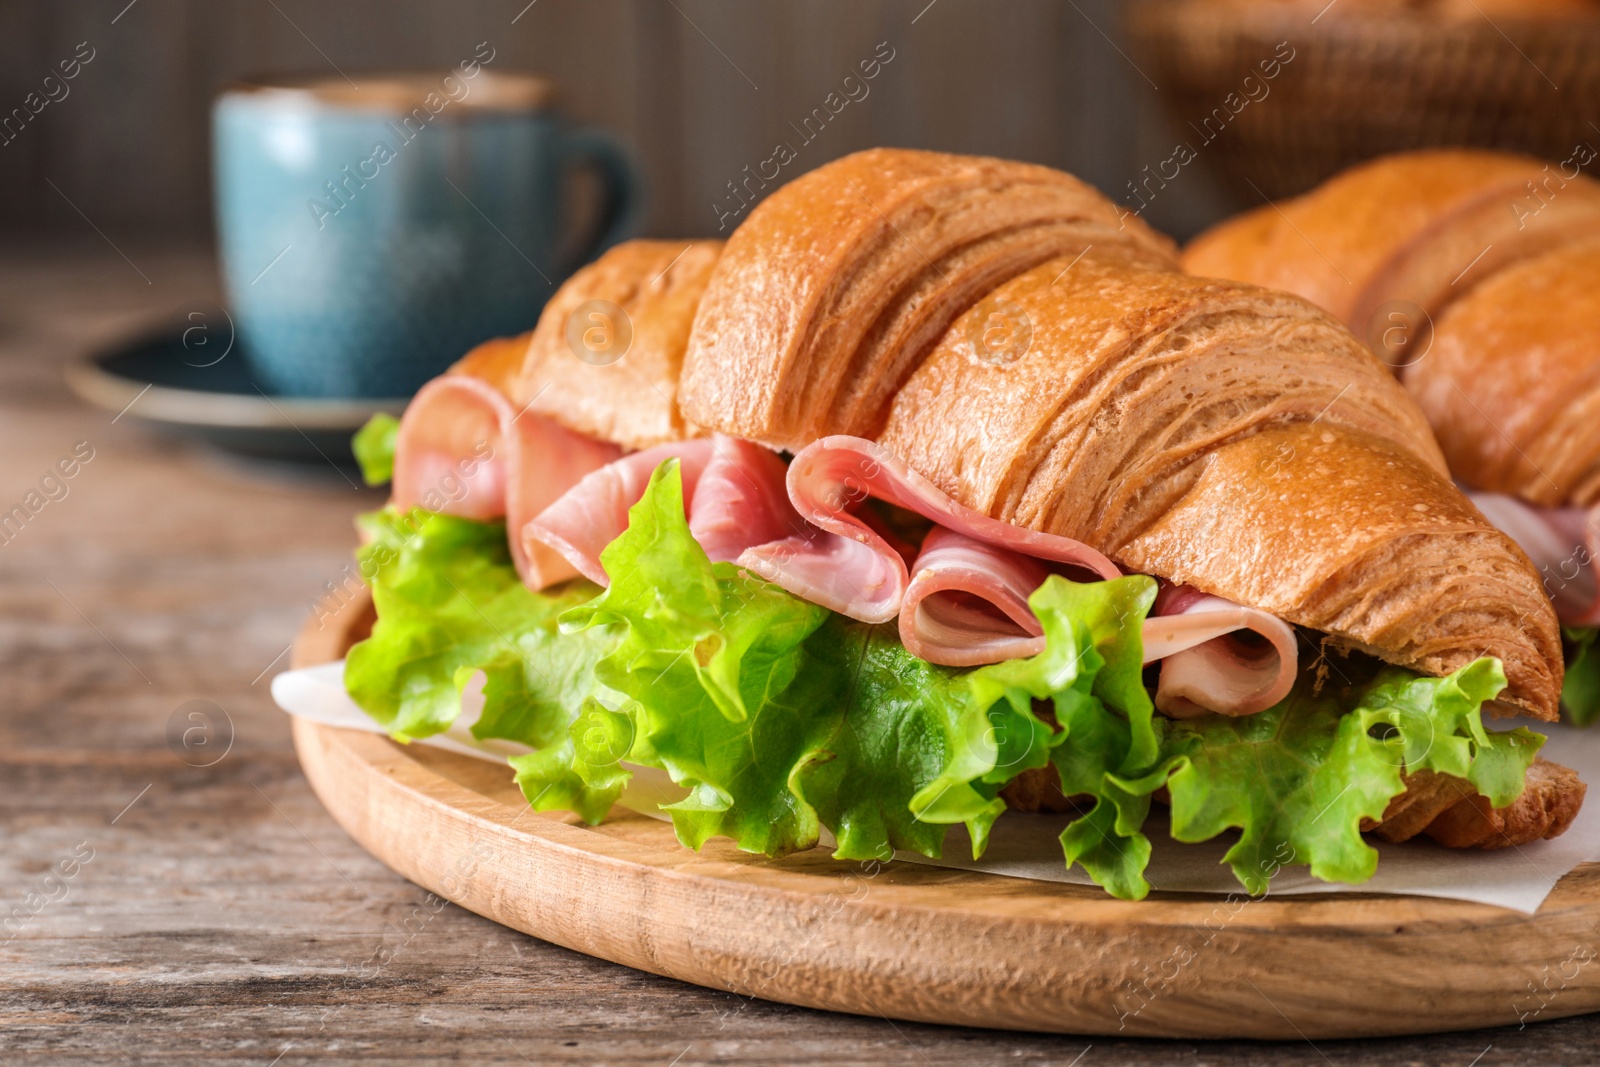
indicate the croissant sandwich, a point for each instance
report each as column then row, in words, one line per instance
column 938, row 489
column 1478, row 275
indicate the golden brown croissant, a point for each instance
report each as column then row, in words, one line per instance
column 1512, row 383
column 1482, row 249
column 607, row 353
column 1549, row 802
column 1451, row 812
column 855, row 270
column 1216, row 434
column 1471, row 10
column 1220, row 435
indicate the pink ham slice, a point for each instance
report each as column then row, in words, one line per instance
column 1561, row 544
column 1217, row 655
column 741, row 500
column 732, row 489
column 847, row 565
column 463, row 450
column 967, row 604
column 593, row 513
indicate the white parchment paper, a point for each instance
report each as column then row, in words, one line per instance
column 1025, row 846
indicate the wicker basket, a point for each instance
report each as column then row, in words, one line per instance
column 1364, row 82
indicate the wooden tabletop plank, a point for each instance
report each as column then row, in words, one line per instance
column 217, row 914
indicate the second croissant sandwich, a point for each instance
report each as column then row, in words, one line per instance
column 938, row 489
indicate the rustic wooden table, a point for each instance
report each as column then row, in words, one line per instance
column 216, row 913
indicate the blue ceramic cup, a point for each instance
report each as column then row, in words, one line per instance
column 373, row 232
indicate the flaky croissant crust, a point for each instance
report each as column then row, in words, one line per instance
column 607, row 354
column 837, row 285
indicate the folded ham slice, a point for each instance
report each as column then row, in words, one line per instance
column 850, row 567
column 741, row 500
column 1217, row 655
column 462, row 449
column 1561, row 544
column 967, row 604
column 733, row 492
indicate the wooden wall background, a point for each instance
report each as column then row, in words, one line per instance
column 698, row 88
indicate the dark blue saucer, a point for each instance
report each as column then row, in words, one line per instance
column 181, row 384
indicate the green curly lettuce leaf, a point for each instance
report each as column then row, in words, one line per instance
column 450, row 604
column 582, row 772
column 706, row 655
column 1298, row 779
column 781, row 718
column 1090, row 672
column 909, row 751
column 373, row 446
column 1580, row 692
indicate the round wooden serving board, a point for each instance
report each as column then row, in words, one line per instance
column 911, row 941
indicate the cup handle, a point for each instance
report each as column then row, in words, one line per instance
column 620, row 191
